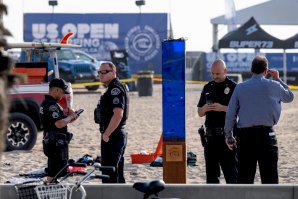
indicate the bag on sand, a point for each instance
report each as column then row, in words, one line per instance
column 191, row 160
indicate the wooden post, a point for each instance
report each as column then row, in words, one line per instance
column 173, row 93
column 174, row 162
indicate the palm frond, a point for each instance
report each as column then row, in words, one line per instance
column 4, row 31
column 3, row 8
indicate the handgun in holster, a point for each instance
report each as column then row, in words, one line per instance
column 202, row 134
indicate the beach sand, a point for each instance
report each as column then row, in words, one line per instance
column 145, row 128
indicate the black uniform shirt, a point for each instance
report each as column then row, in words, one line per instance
column 216, row 93
column 115, row 96
column 51, row 112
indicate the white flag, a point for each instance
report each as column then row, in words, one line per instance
column 171, row 33
column 231, row 15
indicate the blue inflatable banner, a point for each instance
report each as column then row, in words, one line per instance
column 140, row 34
column 241, row 62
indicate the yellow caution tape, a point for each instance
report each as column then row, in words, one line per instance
column 145, row 76
column 196, row 82
column 158, row 79
column 127, row 80
column 86, row 84
column 293, row 87
column 98, row 83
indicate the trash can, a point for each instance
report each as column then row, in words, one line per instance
column 145, row 83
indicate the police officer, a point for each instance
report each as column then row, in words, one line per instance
column 56, row 137
column 213, row 104
column 113, row 113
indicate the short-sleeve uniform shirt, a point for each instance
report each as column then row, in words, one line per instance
column 51, row 112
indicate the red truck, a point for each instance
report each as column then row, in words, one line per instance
column 24, row 121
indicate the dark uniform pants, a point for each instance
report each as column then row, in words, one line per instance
column 55, row 166
column 257, row 145
column 55, row 147
column 217, row 155
column 112, row 155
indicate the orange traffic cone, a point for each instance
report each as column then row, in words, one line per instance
column 158, row 151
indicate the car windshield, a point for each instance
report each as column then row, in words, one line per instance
column 83, row 57
column 65, row 55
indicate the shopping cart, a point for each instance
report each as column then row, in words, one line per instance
column 26, row 190
column 61, row 190
column 51, row 191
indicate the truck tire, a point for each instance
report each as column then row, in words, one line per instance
column 21, row 133
column 92, row 88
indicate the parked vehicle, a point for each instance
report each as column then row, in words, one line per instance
column 81, row 55
column 70, row 68
column 118, row 57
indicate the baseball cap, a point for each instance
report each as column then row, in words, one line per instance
column 60, row 83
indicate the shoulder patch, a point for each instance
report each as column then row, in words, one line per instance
column 53, row 108
column 115, row 91
column 55, row 115
column 41, row 110
column 116, row 100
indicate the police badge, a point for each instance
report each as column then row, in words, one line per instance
column 227, row 90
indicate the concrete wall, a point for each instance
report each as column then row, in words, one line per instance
column 184, row 191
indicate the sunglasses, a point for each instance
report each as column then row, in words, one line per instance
column 104, row 71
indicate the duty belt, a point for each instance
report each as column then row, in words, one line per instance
column 103, row 128
column 214, row 131
column 59, row 135
column 257, row 127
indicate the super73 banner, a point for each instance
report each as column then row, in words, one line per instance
column 140, row 34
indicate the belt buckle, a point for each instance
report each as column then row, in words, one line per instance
column 214, row 131
column 219, row 131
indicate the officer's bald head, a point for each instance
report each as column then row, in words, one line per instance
column 218, row 70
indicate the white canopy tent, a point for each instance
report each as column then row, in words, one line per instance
column 274, row 12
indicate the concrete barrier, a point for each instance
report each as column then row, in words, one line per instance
column 183, row 191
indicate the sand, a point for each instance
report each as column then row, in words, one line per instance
column 145, row 128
